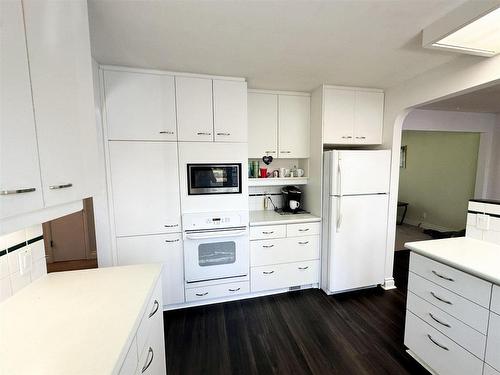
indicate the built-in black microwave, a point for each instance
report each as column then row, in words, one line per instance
column 222, row 178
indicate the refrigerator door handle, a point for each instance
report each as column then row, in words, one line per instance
column 339, row 200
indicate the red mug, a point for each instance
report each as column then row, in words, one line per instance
column 263, row 172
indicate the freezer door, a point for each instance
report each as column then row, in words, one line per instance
column 359, row 172
column 358, row 232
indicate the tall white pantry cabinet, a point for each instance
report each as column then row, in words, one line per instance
column 146, row 114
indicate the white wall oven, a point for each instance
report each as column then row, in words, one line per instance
column 223, row 178
column 216, row 246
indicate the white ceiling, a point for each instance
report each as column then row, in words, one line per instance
column 483, row 100
column 290, row 45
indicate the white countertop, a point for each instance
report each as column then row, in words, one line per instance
column 269, row 217
column 479, row 258
column 77, row 322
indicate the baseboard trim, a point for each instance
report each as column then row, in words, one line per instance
column 424, row 225
column 389, row 284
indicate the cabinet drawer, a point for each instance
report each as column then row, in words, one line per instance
column 152, row 357
column 495, row 299
column 284, row 250
column 129, row 365
column 304, row 229
column 468, row 286
column 453, row 328
column 492, row 356
column 153, row 313
column 455, row 305
column 284, row 275
column 267, row 231
column 217, row 291
column 439, row 352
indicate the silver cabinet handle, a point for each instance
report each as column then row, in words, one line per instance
column 346, row 137
column 441, row 299
column 360, row 137
column 270, row 152
column 267, row 246
column 17, row 191
column 62, row 186
column 442, row 277
column 203, row 133
column 148, row 360
column 171, row 225
column 303, row 268
column 436, row 343
column 176, row 240
column 285, row 152
column 303, row 230
column 271, row 232
column 156, row 305
column 267, row 272
column 225, row 134
column 234, row 290
column 201, row 294
column 166, row 132
column 439, row 321
column 303, row 243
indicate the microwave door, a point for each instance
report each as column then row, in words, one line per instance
column 214, row 179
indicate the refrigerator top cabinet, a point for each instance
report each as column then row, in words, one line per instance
column 357, row 172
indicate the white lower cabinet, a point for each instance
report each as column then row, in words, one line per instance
column 493, row 345
column 129, row 366
column 217, row 291
column 283, row 256
column 166, row 249
column 488, row 370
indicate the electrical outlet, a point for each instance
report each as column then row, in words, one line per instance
column 24, row 257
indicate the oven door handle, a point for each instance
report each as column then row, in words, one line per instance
column 203, row 236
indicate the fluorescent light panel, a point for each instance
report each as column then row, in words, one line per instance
column 481, row 37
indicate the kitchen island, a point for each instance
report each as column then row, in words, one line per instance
column 98, row 321
column 453, row 306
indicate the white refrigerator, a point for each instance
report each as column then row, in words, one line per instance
column 355, row 211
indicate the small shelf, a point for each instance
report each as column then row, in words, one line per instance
column 276, row 181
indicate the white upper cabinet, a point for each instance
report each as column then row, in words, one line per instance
column 230, row 111
column 262, row 121
column 57, row 35
column 368, row 117
column 294, row 126
column 145, row 184
column 352, row 116
column 194, row 109
column 20, row 184
column 140, row 106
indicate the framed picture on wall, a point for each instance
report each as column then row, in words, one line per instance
column 402, row 157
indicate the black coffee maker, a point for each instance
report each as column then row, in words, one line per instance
column 291, row 199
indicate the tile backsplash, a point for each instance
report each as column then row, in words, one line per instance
column 257, row 196
column 483, row 221
column 22, row 259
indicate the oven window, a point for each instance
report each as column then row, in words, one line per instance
column 216, row 253
column 214, row 179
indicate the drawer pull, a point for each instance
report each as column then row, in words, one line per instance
column 176, row 240
column 267, row 272
column 203, row 133
column 439, row 321
column 267, row 246
column 436, row 343
column 442, row 277
column 226, row 134
column 201, row 294
column 303, row 243
column 346, row 137
column 303, row 268
column 166, row 132
column 270, row 152
column 17, row 191
column 360, row 137
column 156, row 305
column 285, row 152
column 62, row 186
column 148, row 360
column 171, row 225
column 441, row 299
column 234, row 290
column 303, row 229
column 271, row 232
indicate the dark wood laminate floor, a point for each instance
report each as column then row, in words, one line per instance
column 303, row 332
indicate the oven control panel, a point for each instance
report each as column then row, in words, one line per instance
column 209, row 220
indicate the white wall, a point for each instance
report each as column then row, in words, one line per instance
column 462, row 75
column 484, row 123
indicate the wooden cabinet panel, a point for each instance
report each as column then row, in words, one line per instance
column 294, row 126
column 20, row 183
column 140, row 106
column 262, row 125
column 230, row 111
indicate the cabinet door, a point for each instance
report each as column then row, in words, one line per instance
column 230, row 111
column 338, row 116
column 145, row 184
column 493, row 343
column 262, row 125
column 20, row 184
column 140, row 106
column 293, row 128
column 368, row 117
column 57, row 35
column 166, row 249
column 194, row 109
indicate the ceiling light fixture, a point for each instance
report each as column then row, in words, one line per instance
column 473, row 28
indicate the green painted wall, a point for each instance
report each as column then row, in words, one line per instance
column 439, row 177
